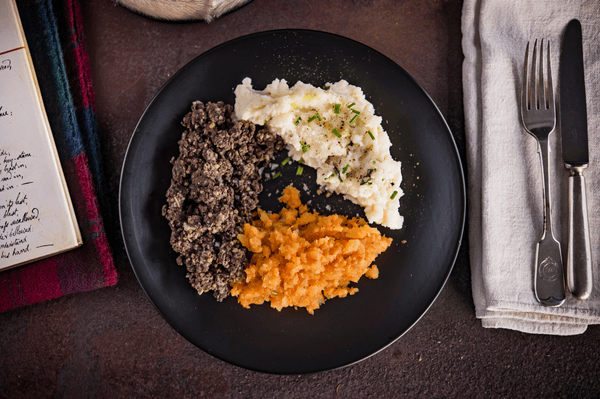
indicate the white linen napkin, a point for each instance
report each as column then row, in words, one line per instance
column 503, row 164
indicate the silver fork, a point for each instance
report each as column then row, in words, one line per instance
column 538, row 113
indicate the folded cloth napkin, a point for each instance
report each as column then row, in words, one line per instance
column 504, row 172
column 55, row 38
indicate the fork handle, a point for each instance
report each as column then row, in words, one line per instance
column 579, row 253
column 549, row 274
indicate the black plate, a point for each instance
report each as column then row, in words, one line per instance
column 412, row 271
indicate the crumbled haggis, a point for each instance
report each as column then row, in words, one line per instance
column 214, row 189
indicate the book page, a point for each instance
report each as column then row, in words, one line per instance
column 37, row 218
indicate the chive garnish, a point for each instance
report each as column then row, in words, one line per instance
column 345, row 168
column 305, row 146
column 301, row 160
column 315, row 116
column 326, row 87
column 285, row 161
column 297, row 121
column 340, row 177
column 351, row 105
column 353, row 118
column 274, row 292
column 331, row 175
column 355, row 111
column 394, row 195
column 371, row 134
column 299, row 170
column 276, row 175
column 338, row 134
column 368, row 181
column 336, row 108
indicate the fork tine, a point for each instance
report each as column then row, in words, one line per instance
column 541, row 84
column 541, row 88
column 550, row 89
column 537, row 95
column 525, row 90
column 534, row 82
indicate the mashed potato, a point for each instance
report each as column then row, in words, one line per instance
column 335, row 131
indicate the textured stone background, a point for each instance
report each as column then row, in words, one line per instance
column 112, row 343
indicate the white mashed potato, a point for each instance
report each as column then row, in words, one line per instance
column 335, row 131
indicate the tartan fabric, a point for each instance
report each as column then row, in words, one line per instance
column 55, row 38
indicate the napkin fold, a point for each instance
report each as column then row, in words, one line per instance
column 55, row 38
column 503, row 163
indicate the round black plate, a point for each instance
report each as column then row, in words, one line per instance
column 412, row 271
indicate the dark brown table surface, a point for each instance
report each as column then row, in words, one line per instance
column 112, row 343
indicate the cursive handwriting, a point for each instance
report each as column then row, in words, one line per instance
column 4, row 112
column 5, row 65
column 17, row 215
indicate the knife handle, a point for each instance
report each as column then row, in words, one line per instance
column 579, row 253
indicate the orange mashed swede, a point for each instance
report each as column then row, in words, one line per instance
column 301, row 258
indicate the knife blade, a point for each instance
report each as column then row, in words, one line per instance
column 573, row 128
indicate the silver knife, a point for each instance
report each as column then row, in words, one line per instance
column 573, row 127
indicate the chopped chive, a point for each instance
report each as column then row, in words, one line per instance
column 371, row 134
column 276, row 175
column 315, row 116
column 338, row 134
column 305, row 146
column 297, row 121
column 299, row 170
column 318, row 117
column 345, row 168
column 351, row 105
column 355, row 111
column 368, row 181
column 394, row 195
column 285, row 161
column 331, row 175
column 336, row 108
column 353, row 118
column 265, row 122
column 274, row 292
column 326, row 87
column 338, row 174
column 301, row 160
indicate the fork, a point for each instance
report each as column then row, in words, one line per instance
column 538, row 113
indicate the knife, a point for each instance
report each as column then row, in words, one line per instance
column 573, row 127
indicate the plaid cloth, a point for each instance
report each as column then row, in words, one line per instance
column 55, row 37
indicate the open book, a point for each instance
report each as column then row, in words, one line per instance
column 37, row 219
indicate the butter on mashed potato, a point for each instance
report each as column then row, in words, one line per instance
column 334, row 130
